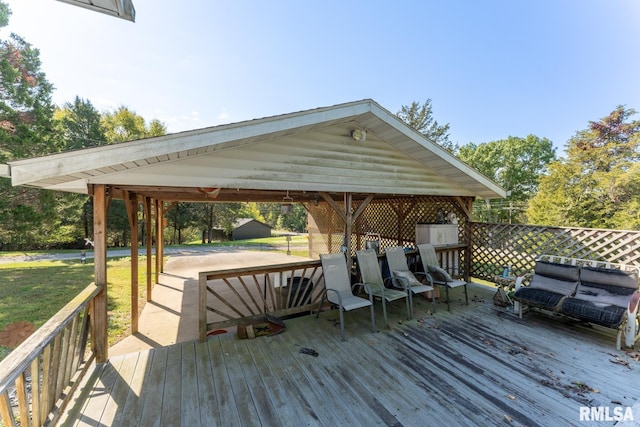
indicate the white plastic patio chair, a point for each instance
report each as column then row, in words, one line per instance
column 338, row 289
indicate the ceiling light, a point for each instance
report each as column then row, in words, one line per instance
column 359, row 135
column 287, row 204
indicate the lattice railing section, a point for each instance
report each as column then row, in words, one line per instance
column 225, row 297
column 394, row 219
column 494, row 246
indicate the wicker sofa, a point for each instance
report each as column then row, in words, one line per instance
column 604, row 294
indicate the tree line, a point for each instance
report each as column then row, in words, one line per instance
column 596, row 185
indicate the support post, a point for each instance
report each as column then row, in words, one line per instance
column 159, row 238
column 348, row 215
column 467, row 206
column 132, row 212
column 148, row 239
column 99, row 331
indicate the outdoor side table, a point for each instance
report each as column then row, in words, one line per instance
column 505, row 285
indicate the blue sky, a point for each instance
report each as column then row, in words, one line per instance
column 492, row 68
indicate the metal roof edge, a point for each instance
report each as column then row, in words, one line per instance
column 123, row 9
column 416, row 136
column 342, row 108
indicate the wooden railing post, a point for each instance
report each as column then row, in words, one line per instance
column 99, row 315
column 202, row 307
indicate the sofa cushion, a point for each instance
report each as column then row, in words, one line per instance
column 610, row 316
column 566, row 272
column 541, row 298
column 604, row 294
column 557, row 278
column 609, row 276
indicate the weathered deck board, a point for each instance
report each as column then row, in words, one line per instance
column 207, row 399
column 476, row 365
column 172, row 395
column 190, row 408
column 248, row 410
column 120, row 390
column 132, row 411
column 153, row 389
column 226, row 402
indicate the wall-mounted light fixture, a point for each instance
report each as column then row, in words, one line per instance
column 359, row 135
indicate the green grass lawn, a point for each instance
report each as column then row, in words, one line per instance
column 279, row 241
column 34, row 291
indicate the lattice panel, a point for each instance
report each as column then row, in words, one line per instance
column 394, row 219
column 494, row 246
column 326, row 230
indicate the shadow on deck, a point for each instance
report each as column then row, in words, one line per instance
column 475, row 365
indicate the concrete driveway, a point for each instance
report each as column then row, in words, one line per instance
column 172, row 316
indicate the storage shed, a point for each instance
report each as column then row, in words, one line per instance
column 249, row 228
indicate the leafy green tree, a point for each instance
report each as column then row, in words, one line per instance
column 515, row 164
column 26, row 130
column 250, row 210
column 5, row 13
column 118, row 224
column 79, row 124
column 205, row 218
column 296, row 220
column 26, row 110
column 420, row 118
column 598, row 184
column 125, row 125
column 179, row 218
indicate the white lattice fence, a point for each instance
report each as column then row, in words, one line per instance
column 494, row 246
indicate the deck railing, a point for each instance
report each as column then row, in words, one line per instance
column 38, row 377
column 229, row 297
column 245, row 293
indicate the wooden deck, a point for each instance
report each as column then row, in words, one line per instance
column 477, row 365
